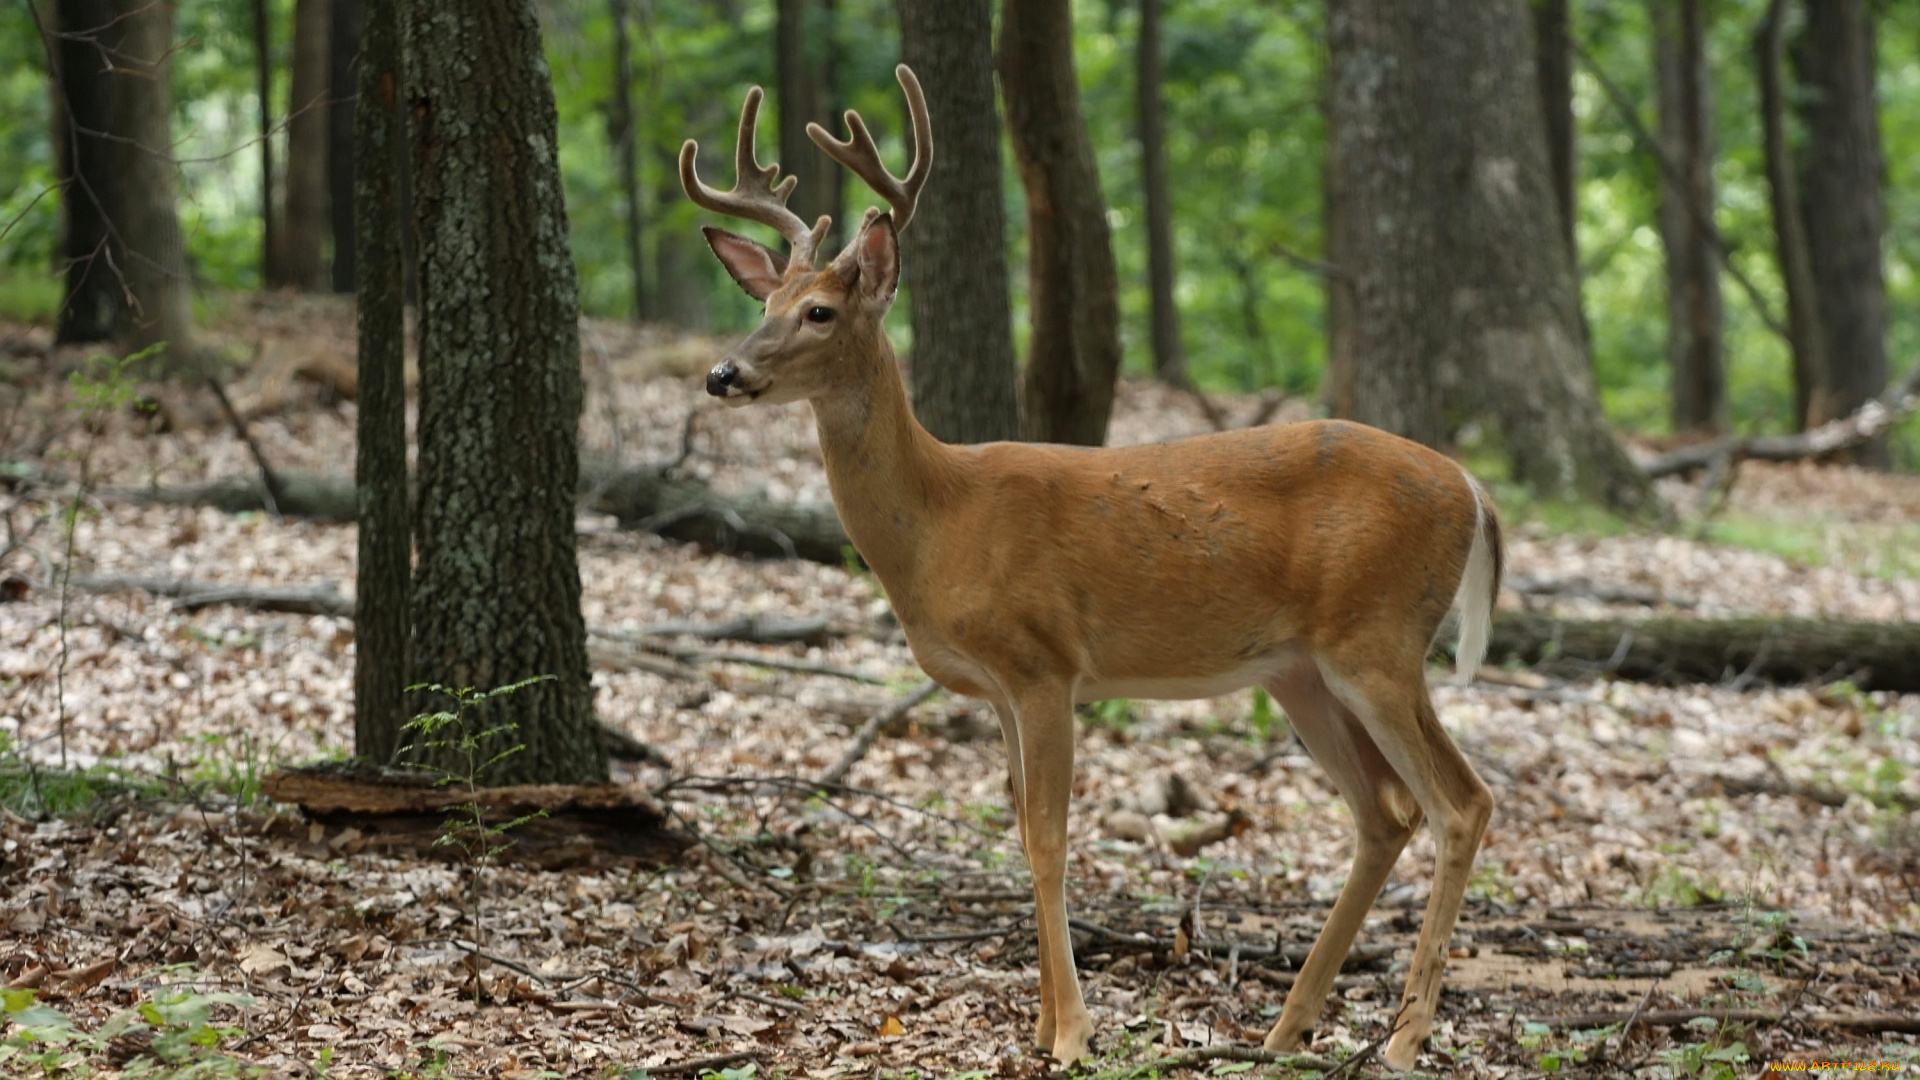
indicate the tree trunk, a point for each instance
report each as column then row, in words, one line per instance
column 1694, row 311
column 303, row 250
column 496, row 598
column 1553, row 65
column 1169, row 362
column 385, row 565
column 1336, row 387
column 342, row 51
column 804, row 64
column 681, row 263
column 1073, row 352
column 1842, row 207
column 95, row 308
column 263, row 90
column 1804, row 334
column 620, row 126
column 156, row 265
column 1464, row 301
column 965, row 377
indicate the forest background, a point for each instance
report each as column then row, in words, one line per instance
column 1243, row 93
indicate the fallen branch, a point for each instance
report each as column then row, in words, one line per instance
column 187, row 595
column 1866, row 424
column 697, row 1066
column 1874, row 655
column 1357, row 957
column 864, row 738
column 1193, row 1058
column 1602, row 591
column 1868, row 1022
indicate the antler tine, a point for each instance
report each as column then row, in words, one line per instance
column 754, row 197
column 860, row 154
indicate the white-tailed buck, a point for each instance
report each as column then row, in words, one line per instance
column 1316, row 560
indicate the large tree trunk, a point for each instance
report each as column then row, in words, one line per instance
column 263, row 92
column 1169, row 362
column 382, row 575
column 342, row 51
column 1336, row 387
column 156, row 263
column 1464, row 301
column 1073, row 352
column 1842, row 205
column 1804, row 334
column 496, row 597
column 804, row 72
column 621, row 129
column 304, row 240
column 965, row 377
column 1694, row 310
column 96, row 307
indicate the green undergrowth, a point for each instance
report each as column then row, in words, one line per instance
column 177, row 1033
column 226, row 769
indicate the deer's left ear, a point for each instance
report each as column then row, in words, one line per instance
column 872, row 262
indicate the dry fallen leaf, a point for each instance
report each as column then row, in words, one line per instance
column 263, row 960
column 892, row 1028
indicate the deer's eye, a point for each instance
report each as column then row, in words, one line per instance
column 819, row 314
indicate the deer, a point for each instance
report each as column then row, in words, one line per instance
column 1317, row 560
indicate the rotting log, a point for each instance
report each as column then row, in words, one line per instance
column 400, row 809
column 679, row 508
column 1864, row 425
column 1872, row 655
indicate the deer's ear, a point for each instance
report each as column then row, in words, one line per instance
column 755, row 267
column 872, row 262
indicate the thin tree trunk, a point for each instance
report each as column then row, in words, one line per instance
column 620, row 125
column 1804, row 334
column 263, row 90
column 1073, row 352
column 965, row 376
column 1464, row 302
column 1553, row 64
column 804, row 64
column 1845, row 218
column 156, row 267
column 93, row 258
column 304, row 239
column 1169, row 361
column 680, row 296
column 342, row 53
column 496, row 597
column 382, row 575
column 1695, row 319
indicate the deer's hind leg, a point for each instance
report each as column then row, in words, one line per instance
column 1384, row 816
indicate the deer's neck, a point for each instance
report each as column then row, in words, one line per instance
column 890, row 477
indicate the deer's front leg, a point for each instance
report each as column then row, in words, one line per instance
column 1044, row 718
column 1016, row 778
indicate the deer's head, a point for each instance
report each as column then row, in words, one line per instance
column 816, row 319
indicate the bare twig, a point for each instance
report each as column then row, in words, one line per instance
column 863, row 739
column 269, row 480
column 696, row 1066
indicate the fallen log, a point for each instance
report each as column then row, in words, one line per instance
column 1873, row 655
column 188, row 595
column 1864, row 425
column 679, row 508
column 1861, row 1021
column 407, row 810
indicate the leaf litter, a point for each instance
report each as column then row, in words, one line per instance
column 1650, row 845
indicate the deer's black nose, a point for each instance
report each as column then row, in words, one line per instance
column 721, row 378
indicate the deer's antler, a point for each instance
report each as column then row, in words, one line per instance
column 860, row 154
column 754, row 196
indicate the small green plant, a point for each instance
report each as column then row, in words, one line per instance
column 1765, row 936
column 1717, row 1057
column 1266, row 719
column 1115, row 714
column 454, row 735
column 173, row 1033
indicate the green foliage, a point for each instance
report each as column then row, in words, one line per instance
column 176, row 1027
column 1114, row 715
column 1719, row 1056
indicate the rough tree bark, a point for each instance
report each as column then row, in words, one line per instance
column 803, row 54
column 342, row 52
column 1464, row 302
column 1695, row 314
column 383, row 571
column 496, row 597
column 1842, row 205
column 156, row 266
column 95, row 308
column 304, row 238
column 965, row 376
column 1804, row 336
column 1073, row 352
column 1169, row 362
column 681, row 262
column 620, row 129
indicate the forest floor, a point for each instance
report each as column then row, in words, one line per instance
column 1675, row 852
